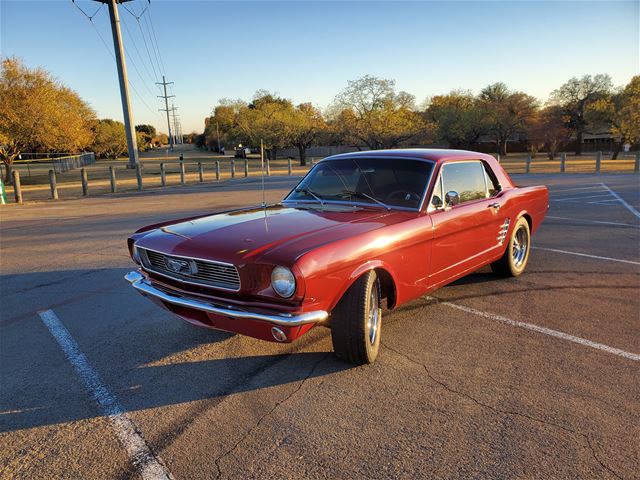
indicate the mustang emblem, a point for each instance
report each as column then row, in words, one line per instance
column 178, row 266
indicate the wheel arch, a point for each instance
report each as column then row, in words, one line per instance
column 386, row 275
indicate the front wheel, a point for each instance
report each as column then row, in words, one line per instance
column 357, row 320
column 516, row 256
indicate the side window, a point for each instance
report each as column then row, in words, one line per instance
column 466, row 178
column 493, row 187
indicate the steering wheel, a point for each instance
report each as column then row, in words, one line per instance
column 403, row 194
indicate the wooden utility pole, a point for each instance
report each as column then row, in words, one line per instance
column 129, row 128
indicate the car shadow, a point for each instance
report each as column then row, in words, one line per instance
column 145, row 356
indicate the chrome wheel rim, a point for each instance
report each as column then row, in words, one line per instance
column 373, row 318
column 520, row 247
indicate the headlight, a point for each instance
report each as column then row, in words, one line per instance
column 283, row 281
column 136, row 255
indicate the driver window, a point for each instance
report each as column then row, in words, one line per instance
column 465, row 178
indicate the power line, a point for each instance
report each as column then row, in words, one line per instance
column 145, row 20
column 153, row 78
column 90, row 18
column 156, row 39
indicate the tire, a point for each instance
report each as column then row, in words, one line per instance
column 356, row 321
column 516, row 255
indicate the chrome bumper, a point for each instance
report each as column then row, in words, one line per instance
column 140, row 283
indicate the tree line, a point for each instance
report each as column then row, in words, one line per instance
column 370, row 113
column 39, row 114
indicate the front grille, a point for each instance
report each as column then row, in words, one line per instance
column 201, row 272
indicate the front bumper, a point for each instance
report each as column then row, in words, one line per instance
column 140, row 283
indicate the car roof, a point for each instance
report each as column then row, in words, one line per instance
column 433, row 154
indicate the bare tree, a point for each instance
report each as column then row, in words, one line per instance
column 370, row 112
column 507, row 112
column 576, row 96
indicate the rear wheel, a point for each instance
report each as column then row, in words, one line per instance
column 357, row 320
column 516, row 256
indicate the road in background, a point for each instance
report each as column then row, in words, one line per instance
column 456, row 392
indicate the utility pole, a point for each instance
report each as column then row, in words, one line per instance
column 129, row 128
column 166, row 97
column 174, row 117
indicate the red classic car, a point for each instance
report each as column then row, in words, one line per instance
column 359, row 229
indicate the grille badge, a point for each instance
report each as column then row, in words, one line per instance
column 179, row 266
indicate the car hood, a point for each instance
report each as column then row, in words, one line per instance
column 282, row 232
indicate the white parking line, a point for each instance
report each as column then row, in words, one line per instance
column 594, row 221
column 151, row 467
column 600, row 195
column 622, row 201
column 597, row 257
column 547, row 331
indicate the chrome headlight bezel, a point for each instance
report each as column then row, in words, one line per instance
column 283, row 281
column 135, row 255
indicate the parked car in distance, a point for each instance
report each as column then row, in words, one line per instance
column 361, row 231
column 242, row 152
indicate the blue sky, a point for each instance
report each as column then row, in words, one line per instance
column 307, row 51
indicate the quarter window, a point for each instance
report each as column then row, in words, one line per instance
column 465, row 178
column 493, row 187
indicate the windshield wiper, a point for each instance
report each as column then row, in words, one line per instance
column 354, row 193
column 306, row 191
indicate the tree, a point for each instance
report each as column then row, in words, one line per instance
column 621, row 112
column 458, row 118
column 548, row 130
column 305, row 124
column 576, row 96
column 507, row 112
column 110, row 140
column 145, row 135
column 369, row 111
column 38, row 113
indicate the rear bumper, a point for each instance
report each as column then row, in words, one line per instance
column 144, row 286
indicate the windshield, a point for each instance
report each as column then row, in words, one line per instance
column 383, row 182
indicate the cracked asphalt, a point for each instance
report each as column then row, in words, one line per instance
column 455, row 393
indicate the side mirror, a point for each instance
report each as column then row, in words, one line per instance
column 452, row 198
column 436, row 202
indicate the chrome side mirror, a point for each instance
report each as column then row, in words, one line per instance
column 451, row 198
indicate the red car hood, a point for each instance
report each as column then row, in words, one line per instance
column 285, row 233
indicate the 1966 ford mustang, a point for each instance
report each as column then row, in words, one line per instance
column 358, row 229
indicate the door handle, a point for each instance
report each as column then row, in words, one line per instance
column 494, row 205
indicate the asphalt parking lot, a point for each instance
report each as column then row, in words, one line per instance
column 533, row 377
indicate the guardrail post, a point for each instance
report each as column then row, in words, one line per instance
column 268, row 168
column 200, row 172
column 17, row 188
column 163, row 175
column 53, row 184
column 217, row 170
column 563, row 162
column 289, row 169
column 598, row 161
column 85, row 182
column 112, row 178
column 139, row 176
column 233, row 168
column 636, row 167
column 246, row 167
column 182, row 171
column 527, row 168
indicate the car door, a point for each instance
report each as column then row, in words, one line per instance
column 465, row 234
